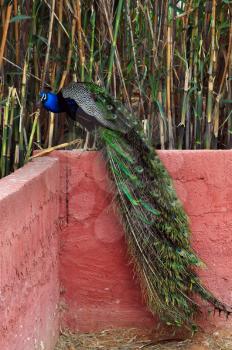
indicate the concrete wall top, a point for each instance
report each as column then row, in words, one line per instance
column 32, row 170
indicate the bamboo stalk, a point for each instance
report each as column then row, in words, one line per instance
column 2, row 12
column 17, row 59
column 114, row 42
column 80, row 41
column 10, row 131
column 196, row 83
column 69, row 57
column 60, row 17
column 155, row 33
column 51, row 129
column 211, row 77
column 23, row 109
column 134, row 54
column 229, row 126
column 4, row 32
column 161, row 122
column 5, row 135
column 221, row 87
column 48, row 44
column 116, row 55
column 34, row 126
column 168, row 88
column 92, row 40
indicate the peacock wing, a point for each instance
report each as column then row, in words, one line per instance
column 94, row 101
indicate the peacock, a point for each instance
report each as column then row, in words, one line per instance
column 156, row 226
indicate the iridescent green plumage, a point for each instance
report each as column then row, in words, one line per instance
column 156, row 225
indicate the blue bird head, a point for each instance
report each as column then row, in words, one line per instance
column 50, row 101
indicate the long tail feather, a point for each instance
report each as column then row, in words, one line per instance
column 155, row 223
column 156, row 229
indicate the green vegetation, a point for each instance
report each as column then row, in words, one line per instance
column 169, row 61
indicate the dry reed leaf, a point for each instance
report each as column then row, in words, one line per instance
column 54, row 148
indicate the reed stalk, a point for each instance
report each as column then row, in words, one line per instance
column 134, row 53
column 80, row 41
column 17, row 43
column 48, row 43
column 169, row 61
column 69, row 56
column 10, row 131
column 34, row 126
column 114, row 42
column 92, row 41
column 211, row 76
column 23, row 110
column 6, row 22
column 168, row 86
column 5, row 135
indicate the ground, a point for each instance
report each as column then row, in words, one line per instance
column 134, row 340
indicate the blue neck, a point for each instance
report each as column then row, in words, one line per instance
column 52, row 103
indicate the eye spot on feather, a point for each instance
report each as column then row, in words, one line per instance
column 139, row 169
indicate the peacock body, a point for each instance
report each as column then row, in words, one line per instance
column 156, row 225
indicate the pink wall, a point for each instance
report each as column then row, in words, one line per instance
column 98, row 290
column 203, row 182
column 29, row 286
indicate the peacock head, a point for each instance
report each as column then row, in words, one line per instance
column 50, row 101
